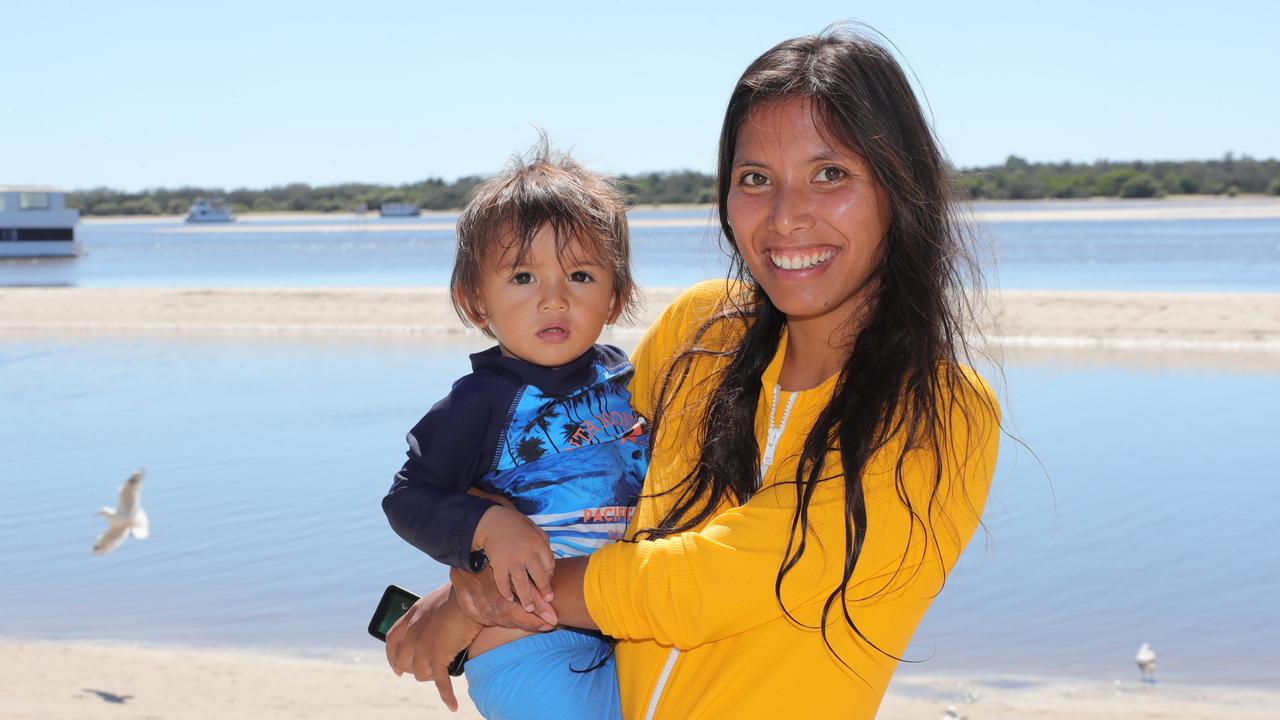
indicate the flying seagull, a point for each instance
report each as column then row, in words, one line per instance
column 127, row 518
column 1147, row 662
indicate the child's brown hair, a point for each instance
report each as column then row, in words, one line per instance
column 541, row 189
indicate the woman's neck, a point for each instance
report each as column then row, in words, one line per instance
column 815, row 352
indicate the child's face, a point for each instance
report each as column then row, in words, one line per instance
column 547, row 310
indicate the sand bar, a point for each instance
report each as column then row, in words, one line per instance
column 66, row 681
column 1115, row 321
column 1187, row 207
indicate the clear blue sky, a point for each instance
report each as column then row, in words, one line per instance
column 249, row 94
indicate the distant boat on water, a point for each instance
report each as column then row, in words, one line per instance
column 35, row 222
column 203, row 211
column 397, row 209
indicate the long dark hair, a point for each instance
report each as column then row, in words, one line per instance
column 902, row 379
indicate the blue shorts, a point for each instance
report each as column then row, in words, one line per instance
column 533, row 678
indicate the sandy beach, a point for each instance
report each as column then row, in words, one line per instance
column 85, row 681
column 1231, row 329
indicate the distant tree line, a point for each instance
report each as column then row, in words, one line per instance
column 670, row 188
column 430, row 194
column 1016, row 179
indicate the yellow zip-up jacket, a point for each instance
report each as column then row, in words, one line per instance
column 701, row 631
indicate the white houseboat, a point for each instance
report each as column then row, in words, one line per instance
column 203, row 211
column 395, row 209
column 36, row 222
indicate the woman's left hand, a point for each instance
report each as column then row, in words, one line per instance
column 428, row 637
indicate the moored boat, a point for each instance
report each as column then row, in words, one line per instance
column 35, row 222
column 203, row 210
column 396, row 209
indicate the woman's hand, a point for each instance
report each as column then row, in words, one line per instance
column 428, row 637
column 479, row 599
column 519, row 553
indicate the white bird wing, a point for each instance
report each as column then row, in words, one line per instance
column 141, row 526
column 111, row 539
column 129, row 493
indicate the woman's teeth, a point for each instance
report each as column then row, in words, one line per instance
column 800, row 261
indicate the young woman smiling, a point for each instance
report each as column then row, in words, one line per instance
column 821, row 453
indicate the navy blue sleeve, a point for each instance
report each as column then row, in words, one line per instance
column 612, row 357
column 449, row 448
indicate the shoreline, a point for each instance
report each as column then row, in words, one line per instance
column 1223, row 327
column 101, row 680
column 1174, row 207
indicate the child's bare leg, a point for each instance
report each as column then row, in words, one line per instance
column 491, row 637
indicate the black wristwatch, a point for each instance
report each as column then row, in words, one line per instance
column 478, row 561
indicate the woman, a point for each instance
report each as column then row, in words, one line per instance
column 821, row 456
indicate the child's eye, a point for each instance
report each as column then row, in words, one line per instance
column 522, row 278
column 831, row 173
column 581, row 276
column 753, row 179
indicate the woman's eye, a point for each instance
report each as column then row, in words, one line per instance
column 522, row 278
column 831, row 173
column 580, row 276
column 753, row 179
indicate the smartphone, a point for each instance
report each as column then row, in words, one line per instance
column 395, row 602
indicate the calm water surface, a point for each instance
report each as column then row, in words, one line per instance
column 266, row 464
column 1202, row 255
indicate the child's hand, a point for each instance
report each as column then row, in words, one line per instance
column 519, row 553
column 479, row 599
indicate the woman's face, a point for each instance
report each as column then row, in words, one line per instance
column 807, row 214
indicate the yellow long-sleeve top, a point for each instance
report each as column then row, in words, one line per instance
column 701, row 631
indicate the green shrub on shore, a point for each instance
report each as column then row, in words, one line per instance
column 1141, row 185
column 1111, row 181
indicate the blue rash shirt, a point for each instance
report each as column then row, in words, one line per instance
column 562, row 443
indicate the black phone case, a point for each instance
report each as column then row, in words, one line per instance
column 392, row 594
column 395, row 593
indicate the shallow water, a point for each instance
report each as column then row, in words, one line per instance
column 1150, row 521
column 321, row 252
column 1199, row 255
column 266, row 463
column 1236, row 255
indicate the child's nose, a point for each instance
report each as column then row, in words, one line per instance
column 553, row 299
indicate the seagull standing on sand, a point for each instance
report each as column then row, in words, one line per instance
column 1147, row 662
column 953, row 714
column 127, row 518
